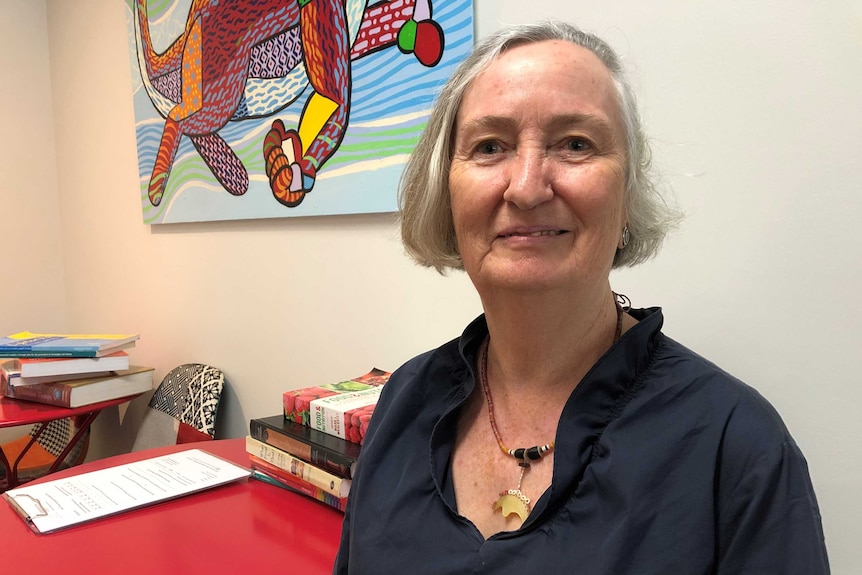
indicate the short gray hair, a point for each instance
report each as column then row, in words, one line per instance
column 427, row 228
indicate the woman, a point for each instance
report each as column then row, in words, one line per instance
column 561, row 433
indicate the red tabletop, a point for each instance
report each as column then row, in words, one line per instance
column 19, row 412
column 243, row 527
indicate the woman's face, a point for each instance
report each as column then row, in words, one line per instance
column 537, row 174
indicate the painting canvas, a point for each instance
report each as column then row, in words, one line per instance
column 282, row 108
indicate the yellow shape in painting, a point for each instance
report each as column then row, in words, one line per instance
column 317, row 112
column 510, row 503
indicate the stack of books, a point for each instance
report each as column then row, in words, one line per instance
column 313, row 446
column 70, row 370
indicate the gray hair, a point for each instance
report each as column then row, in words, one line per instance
column 427, row 228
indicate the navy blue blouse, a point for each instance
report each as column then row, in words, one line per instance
column 664, row 464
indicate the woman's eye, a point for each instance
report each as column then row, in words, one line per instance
column 578, row 145
column 487, row 148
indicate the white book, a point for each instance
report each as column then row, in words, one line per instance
column 332, row 414
column 47, row 367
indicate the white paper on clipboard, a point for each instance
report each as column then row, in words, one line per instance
column 53, row 505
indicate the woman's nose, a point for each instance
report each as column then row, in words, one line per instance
column 529, row 184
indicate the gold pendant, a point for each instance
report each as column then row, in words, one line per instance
column 513, row 501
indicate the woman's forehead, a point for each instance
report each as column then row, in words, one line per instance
column 556, row 77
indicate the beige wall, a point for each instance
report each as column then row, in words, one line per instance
column 32, row 290
column 755, row 116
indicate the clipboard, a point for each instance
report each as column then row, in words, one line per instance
column 53, row 505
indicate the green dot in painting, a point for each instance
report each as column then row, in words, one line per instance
column 407, row 36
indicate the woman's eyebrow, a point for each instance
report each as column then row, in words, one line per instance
column 584, row 121
column 487, row 124
column 557, row 122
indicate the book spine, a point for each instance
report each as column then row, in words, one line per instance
column 8, row 352
column 313, row 453
column 7, row 377
column 285, row 478
column 299, row 486
column 296, row 483
column 55, row 366
column 287, row 481
column 337, row 486
column 40, row 379
column 47, row 393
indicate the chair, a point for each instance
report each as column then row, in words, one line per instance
column 47, row 447
column 183, row 409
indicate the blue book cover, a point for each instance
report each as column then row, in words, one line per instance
column 28, row 344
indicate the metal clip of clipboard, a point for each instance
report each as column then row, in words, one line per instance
column 19, row 509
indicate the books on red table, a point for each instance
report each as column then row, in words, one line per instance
column 78, row 392
column 271, row 475
column 44, row 367
column 287, row 463
column 28, row 344
column 342, row 409
column 333, row 454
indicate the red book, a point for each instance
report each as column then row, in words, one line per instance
column 297, row 485
column 80, row 392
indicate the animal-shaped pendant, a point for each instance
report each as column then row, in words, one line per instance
column 513, row 501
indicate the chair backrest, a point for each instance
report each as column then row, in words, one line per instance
column 55, row 437
column 183, row 409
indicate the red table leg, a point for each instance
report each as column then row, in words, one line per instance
column 83, row 422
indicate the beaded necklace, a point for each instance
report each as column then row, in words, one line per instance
column 514, row 500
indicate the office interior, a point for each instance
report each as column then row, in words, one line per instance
column 753, row 110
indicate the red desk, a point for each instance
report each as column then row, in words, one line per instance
column 14, row 412
column 243, row 527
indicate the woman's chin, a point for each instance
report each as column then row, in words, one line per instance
column 527, row 278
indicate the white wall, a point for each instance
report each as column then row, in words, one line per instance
column 754, row 110
column 32, row 291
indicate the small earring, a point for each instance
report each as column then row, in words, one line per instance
column 626, row 236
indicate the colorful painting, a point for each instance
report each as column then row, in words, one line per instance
column 283, row 108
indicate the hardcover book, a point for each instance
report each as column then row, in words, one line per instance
column 27, row 344
column 337, row 486
column 271, row 476
column 15, row 375
column 326, row 451
column 75, row 393
column 47, row 367
column 342, row 409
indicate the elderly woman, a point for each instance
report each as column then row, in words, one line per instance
column 562, row 432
